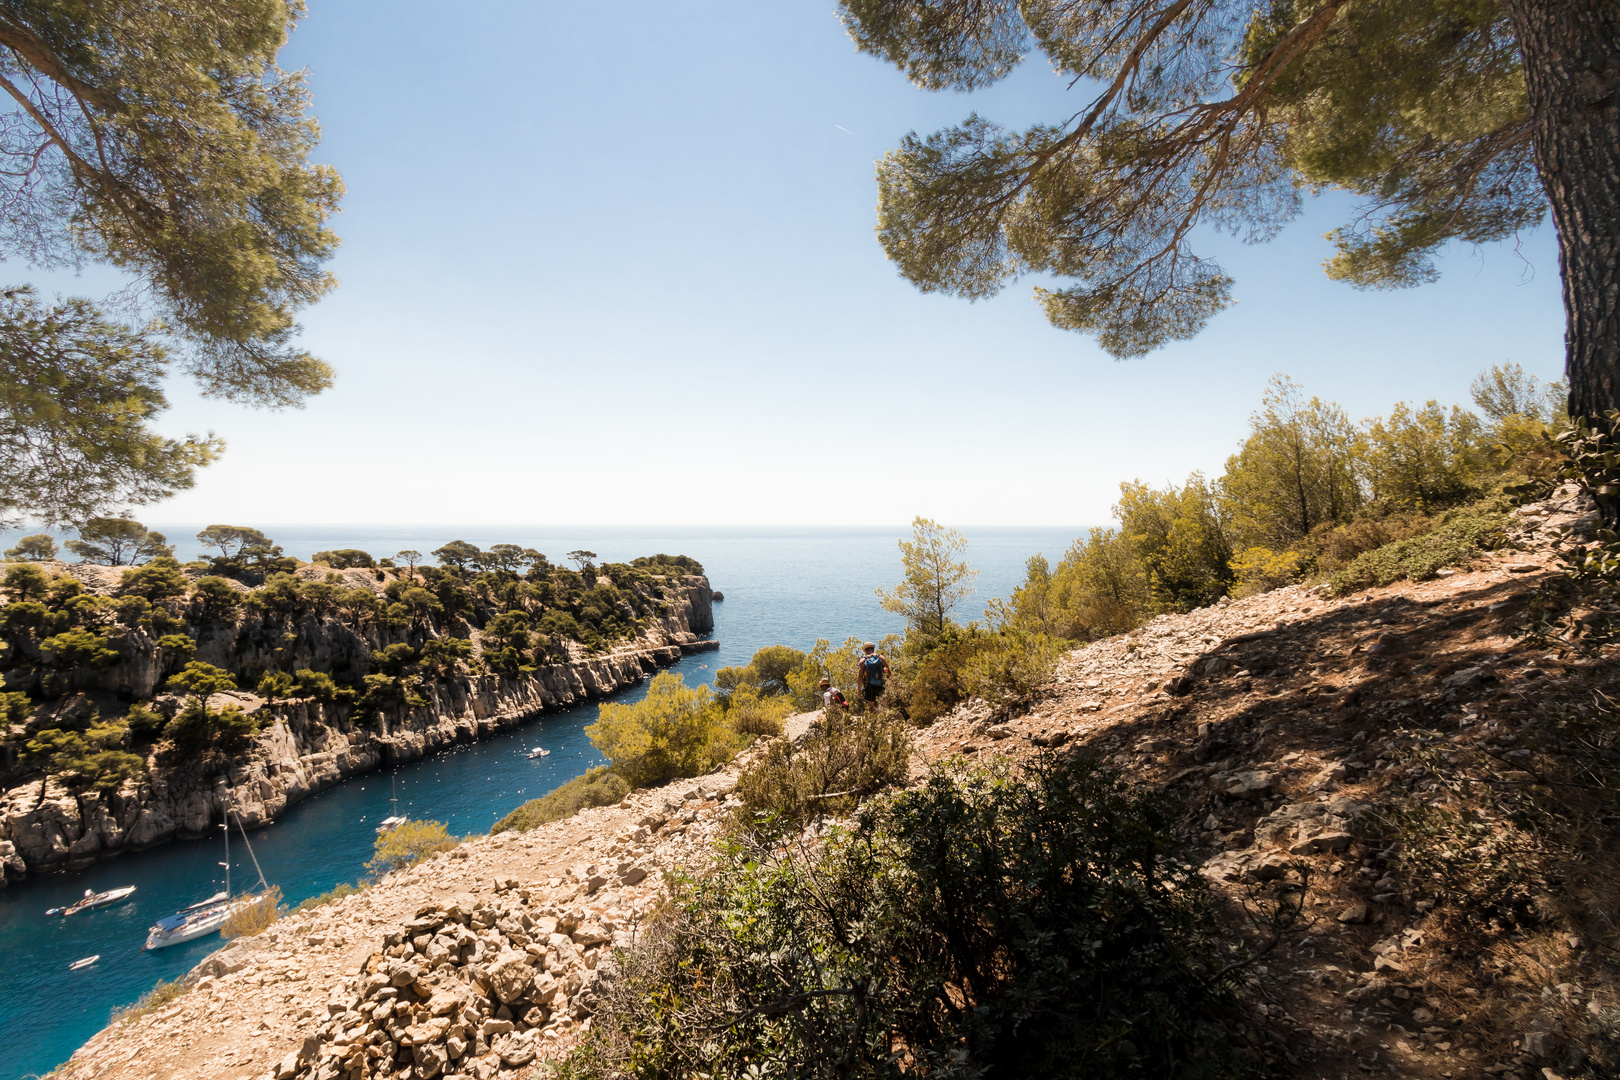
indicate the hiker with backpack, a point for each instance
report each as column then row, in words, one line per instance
column 831, row 695
column 873, row 673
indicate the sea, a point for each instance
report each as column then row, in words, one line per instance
column 782, row 586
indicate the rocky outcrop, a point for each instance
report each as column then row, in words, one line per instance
column 309, row 747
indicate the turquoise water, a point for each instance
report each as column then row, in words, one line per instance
column 782, row 586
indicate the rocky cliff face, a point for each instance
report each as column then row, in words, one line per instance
column 309, row 747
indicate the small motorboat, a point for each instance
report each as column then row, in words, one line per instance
column 538, row 751
column 86, row 962
column 54, row 911
column 98, row 899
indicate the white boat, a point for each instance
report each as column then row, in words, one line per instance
column 206, row 916
column 539, row 751
column 396, row 819
column 98, row 899
column 198, row 920
column 86, row 962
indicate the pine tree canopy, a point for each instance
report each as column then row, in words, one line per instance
column 1219, row 114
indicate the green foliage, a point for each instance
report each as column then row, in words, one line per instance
column 243, row 550
column 750, row 713
column 81, row 392
column 844, row 759
column 27, row 582
column 1010, row 666
column 15, row 707
column 1463, row 536
column 345, row 558
column 668, row 565
column 1288, row 95
column 337, row 892
column 253, row 915
column 936, row 578
column 275, row 686
column 1180, row 535
column 115, row 541
column 216, row 597
column 202, row 680
column 767, row 672
column 74, row 650
column 144, row 724
column 1296, row 471
column 162, row 993
column 157, row 581
column 458, row 554
column 177, row 649
column 1424, row 459
column 674, row 731
column 1260, row 569
column 80, row 761
column 40, row 547
column 408, row 844
column 317, row 686
column 979, row 926
column 601, row 786
column 442, row 655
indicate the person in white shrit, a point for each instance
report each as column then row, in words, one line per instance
column 831, row 695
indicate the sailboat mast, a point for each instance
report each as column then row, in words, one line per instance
column 225, row 826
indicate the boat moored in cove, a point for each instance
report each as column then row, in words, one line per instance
column 86, row 962
column 538, row 752
column 95, row 900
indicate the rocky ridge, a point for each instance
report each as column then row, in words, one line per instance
column 310, row 747
column 1284, row 723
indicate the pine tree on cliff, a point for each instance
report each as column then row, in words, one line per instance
column 161, row 139
column 1451, row 119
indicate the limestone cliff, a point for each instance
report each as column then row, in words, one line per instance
column 308, row 747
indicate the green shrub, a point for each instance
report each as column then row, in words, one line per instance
column 163, row 992
column 344, row 558
column 674, row 731
column 977, row 927
column 843, row 759
column 1462, row 536
column 338, row 892
column 750, row 713
column 767, row 672
column 408, row 844
column 600, row 786
column 1010, row 667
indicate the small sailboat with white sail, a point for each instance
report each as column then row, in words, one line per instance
column 396, row 819
column 207, row 916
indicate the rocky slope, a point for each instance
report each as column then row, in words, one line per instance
column 308, row 747
column 1285, row 724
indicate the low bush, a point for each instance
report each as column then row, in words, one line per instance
column 843, row 759
column 338, row 892
column 406, row 845
column 751, row 713
column 1010, row 666
column 674, row 731
column 600, row 786
column 1456, row 542
column 163, row 992
column 979, row 926
column 253, row 915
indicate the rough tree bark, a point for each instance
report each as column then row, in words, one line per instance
column 1571, row 53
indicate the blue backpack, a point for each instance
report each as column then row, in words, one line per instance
column 872, row 666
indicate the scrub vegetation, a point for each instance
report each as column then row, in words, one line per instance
column 388, row 635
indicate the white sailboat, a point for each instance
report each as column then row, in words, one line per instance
column 206, row 916
column 538, row 752
column 396, row 819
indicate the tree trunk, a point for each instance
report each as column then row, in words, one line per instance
column 1571, row 53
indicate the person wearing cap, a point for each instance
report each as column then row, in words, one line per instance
column 831, row 695
column 873, row 673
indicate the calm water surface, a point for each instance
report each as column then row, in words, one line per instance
column 782, row 586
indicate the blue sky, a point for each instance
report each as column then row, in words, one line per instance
column 614, row 263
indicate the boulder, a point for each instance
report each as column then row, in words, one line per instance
column 509, row 975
